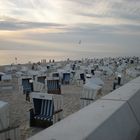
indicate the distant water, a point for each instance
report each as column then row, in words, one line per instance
column 24, row 56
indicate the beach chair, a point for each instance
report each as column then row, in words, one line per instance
column 27, row 85
column 53, row 85
column 41, row 79
column 92, row 71
column 10, row 133
column 89, row 94
column 82, row 77
column 119, row 80
column 45, row 109
column 38, row 86
column 66, row 78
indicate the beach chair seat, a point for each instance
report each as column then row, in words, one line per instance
column 47, row 110
column 42, row 117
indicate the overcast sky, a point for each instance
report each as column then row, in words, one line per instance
column 58, row 25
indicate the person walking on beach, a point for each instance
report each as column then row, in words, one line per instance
column 27, row 96
column 115, row 83
column 119, row 79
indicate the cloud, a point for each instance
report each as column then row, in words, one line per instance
column 101, row 25
column 19, row 25
column 73, row 12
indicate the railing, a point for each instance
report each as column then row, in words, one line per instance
column 115, row 116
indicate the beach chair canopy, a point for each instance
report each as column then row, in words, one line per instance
column 33, row 72
column 38, row 86
column 6, row 77
column 42, row 69
column 95, row 81
column 93, row 86
column 24, row 69
column 67, row 67
column 4, row 115
column 98, row 73
column 19, row 74
column 1, row 74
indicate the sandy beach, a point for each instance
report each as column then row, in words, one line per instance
column 19, row 107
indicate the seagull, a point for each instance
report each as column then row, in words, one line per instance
column 79, row 41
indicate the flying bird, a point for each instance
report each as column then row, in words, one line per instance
column 79, row 42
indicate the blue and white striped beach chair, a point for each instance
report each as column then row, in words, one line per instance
column 46, row 112
column 46, row 109
column 53, row 86
column 42, row 114
column 27, row 86
column 66, row 78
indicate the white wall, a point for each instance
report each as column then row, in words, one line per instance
column 115, row 116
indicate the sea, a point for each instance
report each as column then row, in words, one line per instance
column 8, row 57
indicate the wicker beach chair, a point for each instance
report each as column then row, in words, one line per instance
column 82, row 77
column 66, row 78
column 89, row 93
column 27, row 85
column 42, row 113
column 53, row 85
column 46, row 107
column 41, row 79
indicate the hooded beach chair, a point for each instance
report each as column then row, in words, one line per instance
column 42, row 113
column 53, row 85
column 89, row 93
column 41, row 79
column 38, row 86
column 27, row 85
column 92, row 71
column 82, row 77
column 45, row 109
column 66, row 78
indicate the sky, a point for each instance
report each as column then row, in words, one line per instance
column 53, row 29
